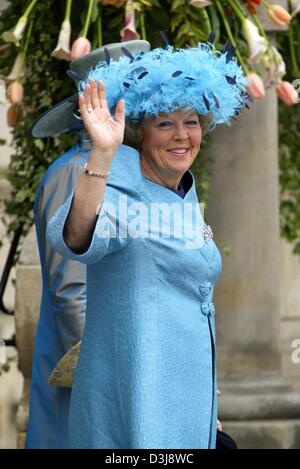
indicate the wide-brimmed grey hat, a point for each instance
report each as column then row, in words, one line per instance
column 60, row 118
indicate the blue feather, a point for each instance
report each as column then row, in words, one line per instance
column 199, row 71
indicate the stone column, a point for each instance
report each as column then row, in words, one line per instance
column 290, row 314
column 28, row 297
column 258, row 407
column 244, row 215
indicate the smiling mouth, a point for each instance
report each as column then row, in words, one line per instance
column 178, row 151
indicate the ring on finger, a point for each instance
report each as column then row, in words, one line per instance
column 89, row 109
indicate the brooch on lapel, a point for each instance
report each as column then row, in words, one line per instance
column 208, row 233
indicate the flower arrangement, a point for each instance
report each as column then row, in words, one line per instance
column 38, row 38
column 263, row 64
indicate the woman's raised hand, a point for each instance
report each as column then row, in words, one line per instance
column 106, row 133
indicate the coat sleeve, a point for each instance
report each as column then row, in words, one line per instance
column 109, row 234
column 64, row 279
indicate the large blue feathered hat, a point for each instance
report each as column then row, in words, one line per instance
column 161, row 80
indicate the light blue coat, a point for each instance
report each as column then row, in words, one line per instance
column 62, row 310
column 146, row 375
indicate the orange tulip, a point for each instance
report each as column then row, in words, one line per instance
column 256, row 87
column 15, row 92
column 14, row 114
column 287, row 93
column 279, row 15
column 81, row 46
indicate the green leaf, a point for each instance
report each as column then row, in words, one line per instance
column 39, row 144
column 46, row 101
column 95, row 12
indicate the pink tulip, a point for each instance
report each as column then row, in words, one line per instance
column 287, row 93
column 256, row 87
column 15, row 92
column 279, row 15
column 129, row 33
column 81, row 46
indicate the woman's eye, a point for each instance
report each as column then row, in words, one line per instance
column 192, row 123
column 164, row 124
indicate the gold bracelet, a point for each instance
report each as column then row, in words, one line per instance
column 92, row 173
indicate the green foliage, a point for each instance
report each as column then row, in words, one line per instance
column 289, row 161
column 289, row 151
column 46, row 83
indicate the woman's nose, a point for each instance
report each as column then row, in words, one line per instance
column 180, row 132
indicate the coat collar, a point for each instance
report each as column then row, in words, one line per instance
column 126, row 166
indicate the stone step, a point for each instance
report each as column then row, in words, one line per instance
column 272, row 434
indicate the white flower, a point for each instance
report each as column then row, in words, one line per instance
column 295, row 5
column 257, row 43
column 17, row 70
column 275, row 67
column 2, row 92
column 62, row 50
column 200, row 3
column 16, row 34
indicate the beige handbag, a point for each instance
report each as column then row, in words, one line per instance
column 62, row 374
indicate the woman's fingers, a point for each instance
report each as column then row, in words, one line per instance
column 82, row 106
column 88, row 97
column 94, row 95
column 102, row 95
column 120, row 112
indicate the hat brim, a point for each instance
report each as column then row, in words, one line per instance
column 59, row 119
column 83, row 64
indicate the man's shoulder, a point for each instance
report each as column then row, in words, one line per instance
column 76, row 156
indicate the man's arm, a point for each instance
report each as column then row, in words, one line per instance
column 64, row 279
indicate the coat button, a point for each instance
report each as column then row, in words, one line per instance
column 208, row 309
column 205, row 288
column 211, row 308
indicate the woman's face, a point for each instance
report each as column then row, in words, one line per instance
column 171, row 142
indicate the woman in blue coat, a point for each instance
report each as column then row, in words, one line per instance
column 146, row 375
